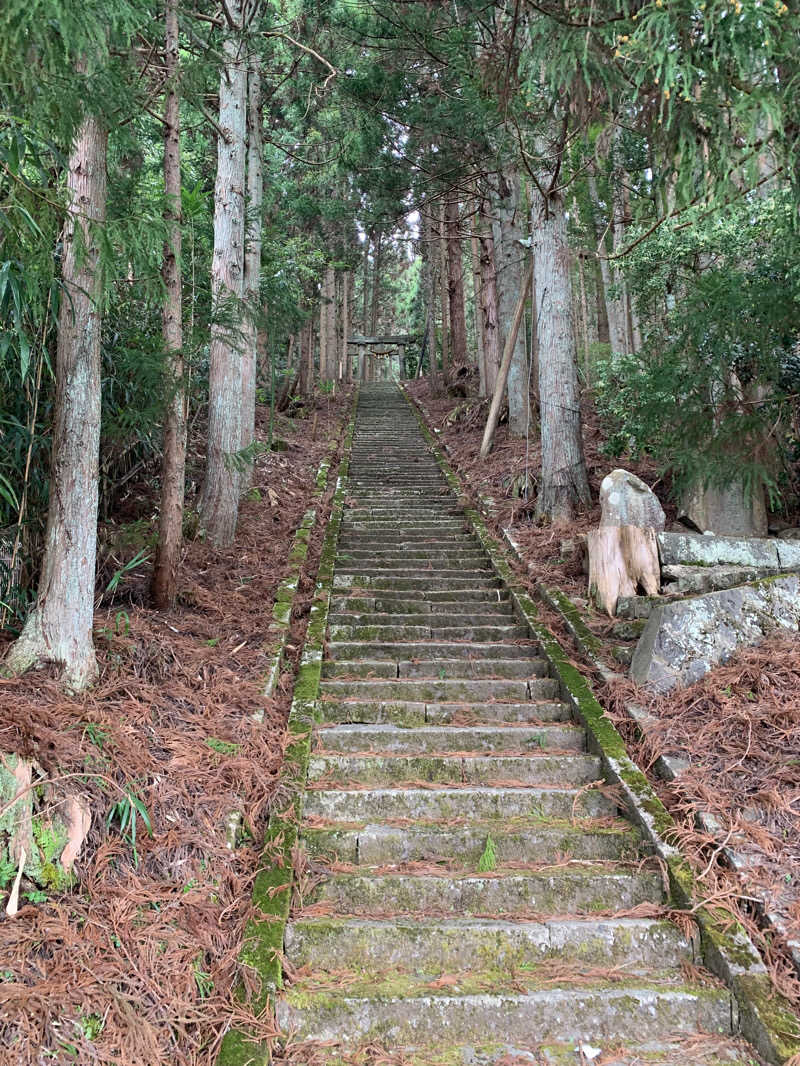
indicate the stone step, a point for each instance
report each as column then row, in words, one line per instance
column 523, row 839
column 471, row 633
column 393, row 568
column 433, row 582
column 434, row 946
column 418, row 607
column 358, row 738
column 441, row 691
column 406, row 713
column 389, row 804
column 535, row 769
column 402, row 1010
column 569, row 888
column 437, row 668
column 404, row 652
column 688, row 1051
column 500, row 616
column 400, row 540
column 466, row 558
column 435, row 600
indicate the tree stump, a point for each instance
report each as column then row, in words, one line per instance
column 622, row 559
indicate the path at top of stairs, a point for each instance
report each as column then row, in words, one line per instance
column 470, row 890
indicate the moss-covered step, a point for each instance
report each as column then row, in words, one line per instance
column 401, row 713
column 386, row 804
column 434, row 946
column 522, row 839
column 501, row 615
column 408, row 556
column 407, row 1011
column 569, row 888
column 424, row 583
column 439, row 691
column 406, row 713
column 440, row 649
column 431, row 669
column 478, row 668
column 431, row 739
column 533, row 769
column 533, row 711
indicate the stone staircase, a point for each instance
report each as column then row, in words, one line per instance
column 470, row 892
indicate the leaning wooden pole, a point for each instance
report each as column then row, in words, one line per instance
column 505, row 365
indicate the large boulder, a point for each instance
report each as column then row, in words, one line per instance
column 626, row 500
column 683, row 640
column 728, row 512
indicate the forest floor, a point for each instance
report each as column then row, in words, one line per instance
column 740, row 725
column 138, row 964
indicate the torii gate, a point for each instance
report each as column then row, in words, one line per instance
column 367, row 351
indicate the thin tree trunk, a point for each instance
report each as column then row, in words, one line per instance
column 59, row 629
column 505, row 366
column 376, row 285
column 173, row 465
column 615, row 311
column 252, row 256
column 348, row 362
column 443, row 296
column 564, row 485
column 455, row 282
column 331, row 354
column 430, row 296
column 491, row 338
column 323, row 328
column 220, row 502
column 365, row 294
column 508, row 230
column 476, row 292
column 307, row 360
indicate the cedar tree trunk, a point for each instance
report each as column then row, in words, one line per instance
column 220, row 503
column 59, row 629
column 173, row 465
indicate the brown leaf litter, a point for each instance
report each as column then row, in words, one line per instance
column 139, row 963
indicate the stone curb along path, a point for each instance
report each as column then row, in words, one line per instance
column 468, row 887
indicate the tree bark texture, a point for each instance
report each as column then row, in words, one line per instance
column 491, row 339
column 173, row 465
column 455, row 282
column 443, row 295
column 331, row 353
column 376, row 285
column 509, row 254
column 220, row 503
column 323, row 328
column 59, row 629
column 252, row 256
column 348, row 361
column 614, row 304
column 429, row 269
column 476, row 294
column 505, row 366
column 564, row 486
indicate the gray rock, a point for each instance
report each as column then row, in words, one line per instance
column 694, row 549
column 695, row 579
column 793, row 533
column 788, row 554
column 728, row 512
column 682, row 641
column 627, row 501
